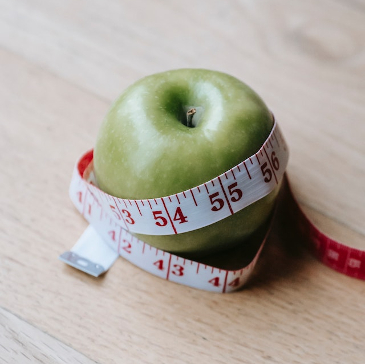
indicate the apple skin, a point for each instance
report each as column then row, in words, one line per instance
column 144, row 150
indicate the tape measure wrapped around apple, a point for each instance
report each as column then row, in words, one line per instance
column 187, row 163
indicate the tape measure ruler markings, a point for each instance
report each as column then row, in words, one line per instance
column 210, row 202
column 92, row 252
column 104, row 236
column 111, row 218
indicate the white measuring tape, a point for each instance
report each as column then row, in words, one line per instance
column 114, row 220
column 206, row 204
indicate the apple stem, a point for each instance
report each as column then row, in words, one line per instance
column 189, row 117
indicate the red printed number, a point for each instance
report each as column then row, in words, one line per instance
column 159, row 264
column 160, row 220
column 266, row 172
column 126, row 213
column 178, row 270
column 217, row 203
column 235, row 282
column 214, row 281
column 265, row 169
column 179, row 216
column 128, row 217
column 236, row 193
column 128, row 246
column 275, row 161
column 115, row 212
column 112, row 234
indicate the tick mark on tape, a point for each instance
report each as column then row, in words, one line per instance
column 276, row 139
column 271, row 165
column 248, row 173
column 120, row 212
column 225, row 196
column 192, row 194
column 168, row 215
column 138, row 208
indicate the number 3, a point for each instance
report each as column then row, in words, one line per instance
column 179, row 270
column 128, row 217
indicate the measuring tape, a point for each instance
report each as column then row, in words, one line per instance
column 113, row 222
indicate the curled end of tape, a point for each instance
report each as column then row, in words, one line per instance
column 90, row 254
column 83, row 264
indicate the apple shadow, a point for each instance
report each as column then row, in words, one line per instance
column 284, row 255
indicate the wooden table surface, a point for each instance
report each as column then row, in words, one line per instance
column 61, row 65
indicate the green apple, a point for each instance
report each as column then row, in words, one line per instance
column 174, row 130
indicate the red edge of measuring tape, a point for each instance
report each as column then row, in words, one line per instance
column 85, row 161
column 338, row 256
column 335, row 255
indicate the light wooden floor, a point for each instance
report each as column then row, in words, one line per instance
column 61, row 65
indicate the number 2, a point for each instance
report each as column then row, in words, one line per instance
column 127, row 248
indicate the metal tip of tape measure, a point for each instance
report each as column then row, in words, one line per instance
column 83, row 264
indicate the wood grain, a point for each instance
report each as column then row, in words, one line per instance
column 62, row 64
column 23, row 343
